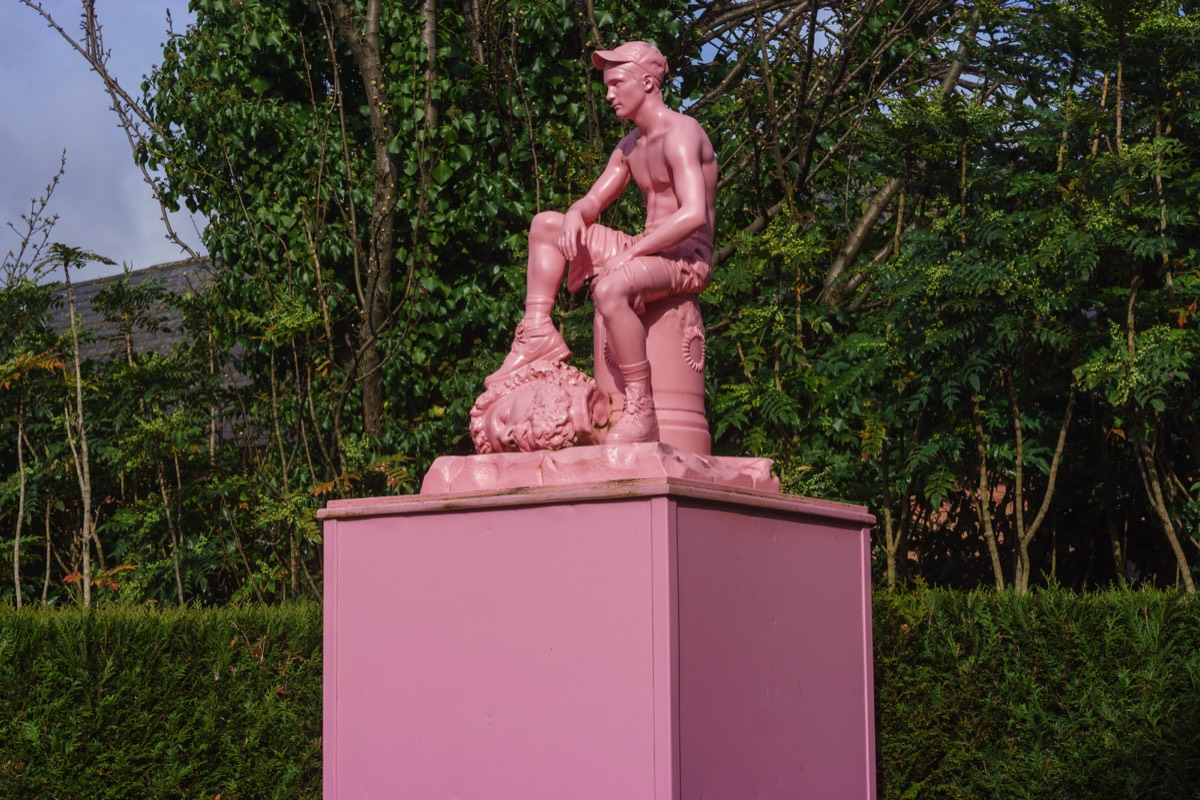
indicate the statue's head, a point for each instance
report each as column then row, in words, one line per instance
column 642, row 58
column 542, row 406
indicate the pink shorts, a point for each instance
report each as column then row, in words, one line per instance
column 685, row 268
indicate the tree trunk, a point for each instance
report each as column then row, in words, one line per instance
column 380, row 244
column 429, row 39
column 16, row 559
column 46, row 576
column 1152, row 482
column 1120, row 90
column 1114, row 539
column 79, row 444
column 893, row 534
column 285, row 473
column 985, row 495
column 1144, row 453
column 1025, row 534
column 831, row 293
column 174, row 533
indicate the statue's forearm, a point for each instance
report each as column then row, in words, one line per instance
column 587, row 207
column 674, row 229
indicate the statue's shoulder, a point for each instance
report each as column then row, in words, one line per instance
column 686, row 135
column 687, row 123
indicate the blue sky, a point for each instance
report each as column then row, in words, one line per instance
column 52, row 102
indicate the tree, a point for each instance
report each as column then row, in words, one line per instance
column 28, row 352
column 957, row 274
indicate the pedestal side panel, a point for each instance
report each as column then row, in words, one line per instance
column 774, row 653
column 495, row 654
column 329, row 643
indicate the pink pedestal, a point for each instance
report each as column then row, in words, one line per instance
column 640, row 639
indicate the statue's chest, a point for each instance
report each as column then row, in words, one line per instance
column 648, row 165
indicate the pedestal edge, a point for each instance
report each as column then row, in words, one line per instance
column 600, row 491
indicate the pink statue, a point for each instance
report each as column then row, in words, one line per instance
column 669, row 157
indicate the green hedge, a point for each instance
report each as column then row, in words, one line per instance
column 125, row 703
column 1054, row 695
column 979, row 695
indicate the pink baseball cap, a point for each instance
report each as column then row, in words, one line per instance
column 643, row 55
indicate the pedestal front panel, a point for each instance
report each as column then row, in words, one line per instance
column 634, row 641
column 503, row 653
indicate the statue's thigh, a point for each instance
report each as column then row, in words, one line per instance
column 641, row 280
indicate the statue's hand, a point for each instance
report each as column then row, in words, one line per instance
column 570, row 238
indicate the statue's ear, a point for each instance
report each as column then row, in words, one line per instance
column 648, row 84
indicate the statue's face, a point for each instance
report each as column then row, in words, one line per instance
column 626, row 89
column 539, row 416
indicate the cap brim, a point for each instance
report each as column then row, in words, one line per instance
column 602, row 58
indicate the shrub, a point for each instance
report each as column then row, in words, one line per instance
column 122, row 703
column 987, row 695
column 978, row 695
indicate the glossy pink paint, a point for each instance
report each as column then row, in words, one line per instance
column 650, row 638
column 643, row 346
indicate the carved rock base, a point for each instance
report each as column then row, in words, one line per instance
column 501, row 472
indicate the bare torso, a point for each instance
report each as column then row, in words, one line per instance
column 648, row 166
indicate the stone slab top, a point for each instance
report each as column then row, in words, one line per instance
column 594, row 474
column 499, row 472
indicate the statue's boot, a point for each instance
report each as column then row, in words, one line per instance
column 531, row 344
column 638, row 423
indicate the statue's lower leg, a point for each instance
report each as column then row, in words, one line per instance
column 638, row 423
column 536, row 338
column 627, row 339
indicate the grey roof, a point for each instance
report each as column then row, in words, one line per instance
column 177, row 277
